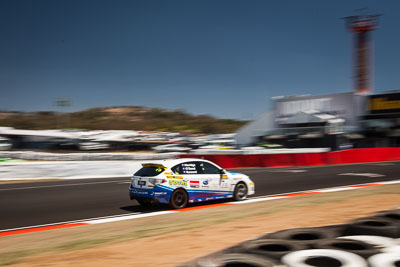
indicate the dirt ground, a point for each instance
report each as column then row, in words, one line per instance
column 178, row 245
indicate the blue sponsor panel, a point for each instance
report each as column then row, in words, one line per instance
column 161, row 193
column 205, row 195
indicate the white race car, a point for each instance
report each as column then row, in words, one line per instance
column 178, row 182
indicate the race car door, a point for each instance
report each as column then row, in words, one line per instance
column 212, row 176
column 190, row 172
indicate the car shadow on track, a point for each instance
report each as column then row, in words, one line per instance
column 138, row 208
column 163, row 207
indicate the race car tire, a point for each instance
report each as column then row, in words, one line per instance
column 373, row 226
column 235, row 259
column 305, row 236
column 179, row 199
column 323, row 258
column 271, row 248
column 240, row 192
column 360, row 248
column 384, row 260
column 377, row 241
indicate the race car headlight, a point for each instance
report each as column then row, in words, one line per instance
column 156, row 181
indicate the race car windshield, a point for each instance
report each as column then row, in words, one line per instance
column 149, row 171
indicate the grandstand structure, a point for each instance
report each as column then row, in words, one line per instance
column 352, row 119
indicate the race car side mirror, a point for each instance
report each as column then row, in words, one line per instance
column 222, row 171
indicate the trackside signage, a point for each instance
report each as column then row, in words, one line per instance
column 384, row 103
column 342, row 105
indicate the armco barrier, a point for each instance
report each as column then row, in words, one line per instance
column 360, row 155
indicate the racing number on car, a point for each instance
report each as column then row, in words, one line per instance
column 224, row 184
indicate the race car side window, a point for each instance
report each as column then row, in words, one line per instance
column 177, row 169
column 208, row 168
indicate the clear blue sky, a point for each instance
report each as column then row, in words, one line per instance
column 226, row 58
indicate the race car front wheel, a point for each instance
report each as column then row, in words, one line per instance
column 179, row 199
column 240, row 192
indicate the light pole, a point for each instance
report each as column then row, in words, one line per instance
column 63, row 102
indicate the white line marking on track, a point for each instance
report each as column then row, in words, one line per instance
column 337, row 189
column 252, row 200
column 391, row 182
column 69, row 222
column 362, row 174
column 383, row 164
column 347, row 164
column 129, row 217
column 68, row 178
column 292, row 171
column 58, row 185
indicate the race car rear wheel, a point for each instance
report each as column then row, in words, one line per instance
column 179, row 199
column 240, row 192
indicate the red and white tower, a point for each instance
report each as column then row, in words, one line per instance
column 361, row 27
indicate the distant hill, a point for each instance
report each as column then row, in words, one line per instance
column 121, row 118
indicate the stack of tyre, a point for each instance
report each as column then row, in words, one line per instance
column 366, row 242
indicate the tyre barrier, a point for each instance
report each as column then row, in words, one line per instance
column 365, row 242
column 235, row 260
column 394, row 249
column 391, row 215
column 385, row 260
column 379, row 242
column 360, row 248
column 323, row 258
column 373, row 226
column 306, row 236
column 272, row 248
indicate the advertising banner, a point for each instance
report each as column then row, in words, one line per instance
column 384, row 103
column 342, row 105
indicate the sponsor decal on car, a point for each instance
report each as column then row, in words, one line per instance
column 189, row 168
column 205, row 182
column 140, row 192
column 195, row 184
column 224, row 184
column 178, row 182
column 174, row 177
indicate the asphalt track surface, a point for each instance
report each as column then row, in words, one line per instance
column 38, row 203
